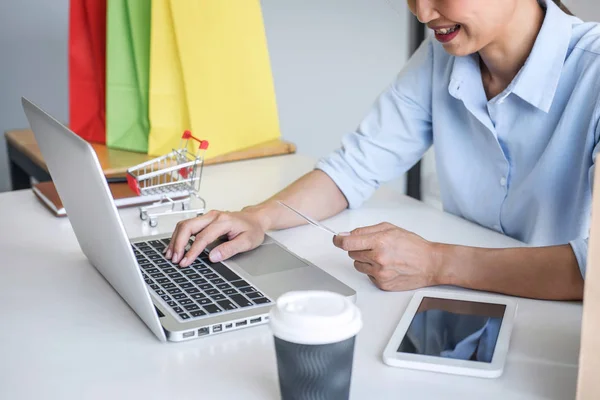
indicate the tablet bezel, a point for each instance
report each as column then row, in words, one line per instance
column 447, row 365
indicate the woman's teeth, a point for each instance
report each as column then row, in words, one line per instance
column 446, row 31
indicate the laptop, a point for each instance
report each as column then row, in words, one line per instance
column 175, row 303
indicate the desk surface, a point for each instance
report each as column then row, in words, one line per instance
column 67, row 335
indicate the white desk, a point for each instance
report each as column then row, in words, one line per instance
column 65, row 334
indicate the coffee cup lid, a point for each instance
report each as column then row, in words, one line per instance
column 314, row 317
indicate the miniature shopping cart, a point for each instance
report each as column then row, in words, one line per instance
column 176, row 176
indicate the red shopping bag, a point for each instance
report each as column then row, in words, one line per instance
column 87, row 66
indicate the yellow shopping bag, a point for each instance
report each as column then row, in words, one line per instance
column 210, row 73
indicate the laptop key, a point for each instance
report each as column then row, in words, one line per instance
column 184, row 316
column 199, row 281
column 186, row 301
column 194, row 275
column 171, row 303
column 160, row 292
column 211, row 292
column 191, row 290
column 148, row 281
column 154, row 286
column 153, row 270
column 204, row 301
column 247, row 289
column 186, row 285
column 241, row 300
column 198, row 313
column 206, row 286
column 175, row 290
column 168, row 285
column 165, row 297
column 191, row 307
column 188, row 271
column 181, row 280
column 217, row 281
column 229, row 292
column 198, row 296
column 211, row 276
column 158, row 275
column 169, row 270
column 178, row 309
column 180, row 296
column 155, row 242
column 218, row 296
column 240, row 284
column 227, row 305
column 224, row 271
column 261, row 300
column 223, row 286
column 254, row 295
column 162, row 281
column 212, row 308
column 175, row 275
column 155, row 256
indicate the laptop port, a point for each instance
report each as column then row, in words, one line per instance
column 266, row 317
column 217, row 328
column 241, row 323
column 188, row 334
column 255, row 320
column 229, row 326
column 203, row 331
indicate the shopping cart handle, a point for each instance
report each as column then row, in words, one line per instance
column 188, row 135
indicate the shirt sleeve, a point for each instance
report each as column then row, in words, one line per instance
column 392, row 137
column 580, row 245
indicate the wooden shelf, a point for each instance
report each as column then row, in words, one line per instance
column 115, row 162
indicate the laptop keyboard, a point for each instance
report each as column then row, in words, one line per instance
column 200, row 290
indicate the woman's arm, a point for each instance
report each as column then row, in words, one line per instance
column 537, row 272
column 395, row 259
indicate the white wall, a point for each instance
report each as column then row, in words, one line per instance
column 330, row 59
column 33, row 62
column 587, row 10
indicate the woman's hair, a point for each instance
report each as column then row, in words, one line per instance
column 562, row 6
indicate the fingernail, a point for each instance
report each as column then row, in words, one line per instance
column 344, row 234
column 175, row 258
column 183, row 262
column 169, row 253
column 215, row 256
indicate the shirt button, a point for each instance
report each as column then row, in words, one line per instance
column 503, row 181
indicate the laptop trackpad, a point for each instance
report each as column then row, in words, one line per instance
column 267, row 259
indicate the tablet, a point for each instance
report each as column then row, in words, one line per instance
column 458, row 332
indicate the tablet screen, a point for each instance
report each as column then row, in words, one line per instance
column 458, row 329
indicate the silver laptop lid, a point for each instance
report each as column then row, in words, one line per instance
column 80, row 182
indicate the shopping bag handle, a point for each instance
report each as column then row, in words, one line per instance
column 188, row 135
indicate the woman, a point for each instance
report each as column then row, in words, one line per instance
column 508, row 90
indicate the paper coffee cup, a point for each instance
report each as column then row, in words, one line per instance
column 314, row 334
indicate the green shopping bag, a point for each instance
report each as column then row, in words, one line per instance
column 127, row 70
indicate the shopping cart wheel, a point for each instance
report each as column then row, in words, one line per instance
column 153, row 222
column 143, row 215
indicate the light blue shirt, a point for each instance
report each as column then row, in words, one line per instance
column 521, row 163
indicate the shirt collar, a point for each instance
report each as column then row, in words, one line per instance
column 537, row 81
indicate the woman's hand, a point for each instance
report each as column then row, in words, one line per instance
column 393, row 258
column 243, row 229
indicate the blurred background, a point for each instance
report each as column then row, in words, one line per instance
column 330, row 59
